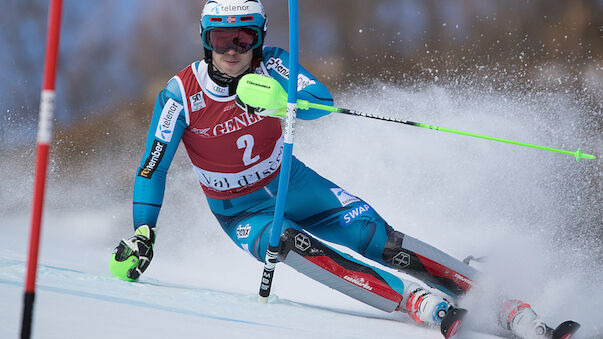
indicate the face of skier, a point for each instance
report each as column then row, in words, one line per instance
column 232, row 62
column 232, row 48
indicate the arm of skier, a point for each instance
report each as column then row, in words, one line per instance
column 308, row 87
column 162, row 142
column 132, row 256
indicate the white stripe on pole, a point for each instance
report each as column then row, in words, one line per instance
column 46, row 117
column 290, row 122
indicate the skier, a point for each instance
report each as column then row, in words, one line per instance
column 236, row 155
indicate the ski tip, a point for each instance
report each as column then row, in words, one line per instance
column 452, row 322
column 565, row 330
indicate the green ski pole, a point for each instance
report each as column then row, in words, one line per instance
column 265, row 92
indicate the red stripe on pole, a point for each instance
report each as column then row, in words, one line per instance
column 36, row 216
column 52, row 44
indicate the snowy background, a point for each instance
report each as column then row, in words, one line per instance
column 532, row 74
column 463, row 195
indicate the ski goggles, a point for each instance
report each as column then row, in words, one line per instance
column 239, row 39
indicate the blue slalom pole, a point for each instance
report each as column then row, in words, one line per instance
column 283, row 183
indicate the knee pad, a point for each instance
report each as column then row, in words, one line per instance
column 395, row 256
column 340, row 271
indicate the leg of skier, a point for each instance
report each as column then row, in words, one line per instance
column 328, row 212
column 370, row 236
column 336, row 216
column 311, row 257
column 317, row 205
column 248, row 221
column 308, row 255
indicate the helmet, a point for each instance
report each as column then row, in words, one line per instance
column 233, row 13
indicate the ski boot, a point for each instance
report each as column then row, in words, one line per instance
column 423, row 306
column 519, row 318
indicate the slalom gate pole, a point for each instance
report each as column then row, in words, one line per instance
column 43, row 140
column 283, row 183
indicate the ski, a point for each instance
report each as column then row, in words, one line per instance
column 452, row 322
column 564, row 331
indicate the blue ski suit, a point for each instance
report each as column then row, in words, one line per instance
column 314, row 204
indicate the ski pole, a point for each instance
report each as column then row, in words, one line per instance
column 44, row 139
column 283, row 183
column 261, row 91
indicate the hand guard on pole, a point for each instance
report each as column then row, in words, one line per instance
column 258, row 110
column 132, row 256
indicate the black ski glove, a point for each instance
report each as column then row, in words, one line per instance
column 132, row 256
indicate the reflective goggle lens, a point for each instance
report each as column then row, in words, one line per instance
column 238, row 39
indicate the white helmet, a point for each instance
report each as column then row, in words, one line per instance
column 233, row 13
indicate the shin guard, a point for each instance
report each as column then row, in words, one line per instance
column 425, row 262
column 339, row 271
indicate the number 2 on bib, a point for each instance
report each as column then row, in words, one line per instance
column 246, row 142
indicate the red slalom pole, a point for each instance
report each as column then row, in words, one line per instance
column 43, row 147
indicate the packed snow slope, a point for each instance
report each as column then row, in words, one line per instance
column 536, row 215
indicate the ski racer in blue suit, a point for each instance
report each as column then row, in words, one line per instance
column 236, row 156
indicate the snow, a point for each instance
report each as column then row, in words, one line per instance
column 463, row 195
column 78, row 298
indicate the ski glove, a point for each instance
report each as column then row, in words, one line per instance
column 132, row 256
column 256, row 110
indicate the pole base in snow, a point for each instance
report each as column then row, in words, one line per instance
column 28, row 301
column 268, row 274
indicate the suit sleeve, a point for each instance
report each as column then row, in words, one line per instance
column 166, row 129
column 309, row 88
